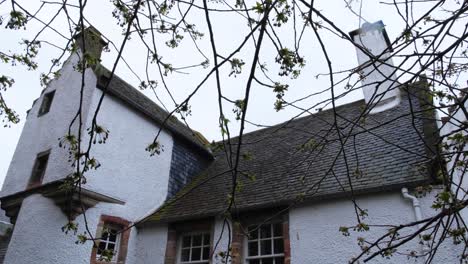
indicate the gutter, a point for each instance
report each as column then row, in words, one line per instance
column 418, row 214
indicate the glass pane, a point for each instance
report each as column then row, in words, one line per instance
column 113, row 236
column 206, row 253
column 253, row 232
column 265, row 231
column 253, row 248
column 197, row 240
column 267, row 261
column 277, row 230
column 185, row 254
column 279, row 260
column 254, row 261
column 105, row 234
column 101, row 247
column 206, row 240
column 265, row 247
column 196, row 254
column 186, row 241
column 111, row 247
column 279, row 247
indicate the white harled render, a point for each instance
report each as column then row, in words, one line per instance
column 128, row 173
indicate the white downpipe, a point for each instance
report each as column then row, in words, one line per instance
column 418, row 214
column 416, row 204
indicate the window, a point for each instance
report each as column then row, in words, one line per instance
column 39, row 169
column 46, row 103
column 265, row 244
column 109, row 242
column 195, row 248
column 113, row 233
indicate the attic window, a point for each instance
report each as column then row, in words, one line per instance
column 46, row 103
column 39, row 169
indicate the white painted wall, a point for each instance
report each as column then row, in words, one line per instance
column 452, row 127
column 42, row 133
column 151, row 245
column 314, row 232
column 127, row 172
column 37, row 237
column 220, row 236
column 315, row 236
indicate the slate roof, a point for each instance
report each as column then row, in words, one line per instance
column 383, row 153
column 146, row 106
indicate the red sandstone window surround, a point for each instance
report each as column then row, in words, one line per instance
column 113, row 234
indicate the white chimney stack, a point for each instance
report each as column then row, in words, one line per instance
column 379, row 83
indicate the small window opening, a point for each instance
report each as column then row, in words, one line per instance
column 39, row 169
column 112, row 241
column 46, row 103
column 109, row 242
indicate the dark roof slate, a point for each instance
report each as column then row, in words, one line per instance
column 143, row 104
column 384, row 152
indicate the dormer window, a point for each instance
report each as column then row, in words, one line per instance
column 46, row 103
column 39, row 169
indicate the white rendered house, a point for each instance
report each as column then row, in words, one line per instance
column 291, row 203
column 128, row 185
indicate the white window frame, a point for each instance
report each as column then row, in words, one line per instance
column 179, row 247
column 116, row 243
column 258, row 239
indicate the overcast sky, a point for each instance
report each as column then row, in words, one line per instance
column 230, row 31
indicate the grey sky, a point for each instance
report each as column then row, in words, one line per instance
column 230, row 31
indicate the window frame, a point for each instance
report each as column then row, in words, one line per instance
column 272, row 238
column 119, row 229
column 268, row 215
column 121, row 252
column 202, row 246
column 176, row 230
column 33, row 182
column 50, row 98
